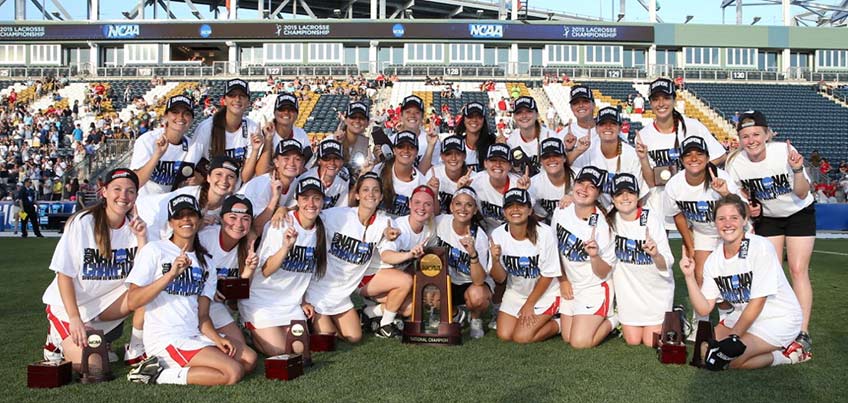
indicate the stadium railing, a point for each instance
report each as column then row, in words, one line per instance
column 45, row 71
column 104, row 157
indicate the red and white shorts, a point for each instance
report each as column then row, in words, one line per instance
column 546, row 305
column 60, row 328
column 596, row 300
column 179, row 352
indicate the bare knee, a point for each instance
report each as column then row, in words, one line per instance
column 633, row 340
column 248, row 359
column 798, row 271
column 522, row 337
column 581, row 342
column 233, row 372
column 353, row 338
column 504, row 335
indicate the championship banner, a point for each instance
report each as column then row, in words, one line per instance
column 269, row 30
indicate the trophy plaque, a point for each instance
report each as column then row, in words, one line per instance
column 299, row 331
column 431, row 321
column 704, row 334
column 97, row 345
column 319, row 342
column 49, row 374
column 663, row 173
column 233, row 288
column 284, row 367
column 671, row 349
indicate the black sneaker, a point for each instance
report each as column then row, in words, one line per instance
column 805, row 341
column 146, row 372
column 389, row 331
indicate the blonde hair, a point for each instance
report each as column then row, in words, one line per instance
column 739, row 148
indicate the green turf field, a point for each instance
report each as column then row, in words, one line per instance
column 484, row 370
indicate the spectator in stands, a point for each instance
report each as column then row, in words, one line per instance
column 815, row 158
column 824, row 167
column 27, row 202
column 735, row 118
column 638, row 104
column 551, row 116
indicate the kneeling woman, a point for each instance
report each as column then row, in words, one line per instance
column 746, row 272
column 172, row 278
column 587, row 256
column 524, row 254
column 352, row 234
column 292, row 255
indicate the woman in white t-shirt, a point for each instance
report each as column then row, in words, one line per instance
column 274, row 190
column 386, row 282
column 230, row 132
column 230, row 245
column 163, row 157
column 335, row 177
column 659, row 144
column 399, row 175
column 760, row 328
column 581, row 133
column 352, row 234
column 468, row 257
column 474, row 129
column 452, row 174
column 773, row 177
column 96, row 252
column 643, row 277
column 292, row 255
column 611, row 154
column 492, row 184
column 173, row 280
column 530, row 132
column 281, row 128
column 588, row 256
column 524, row 256
column 548, row 187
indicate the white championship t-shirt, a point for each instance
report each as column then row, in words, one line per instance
column 258, row 191
column 447, row 187
column 458, row 259
column 571, row 234
column 627, row 162
column 238, row 145
column 525, row 263
column 97, row 282
column 531, row 148
column 696, row 203
column 407, row 240
column 544, row 195
column 188, row 152
column 489, row 199
column 337, row 194
column 403, row 191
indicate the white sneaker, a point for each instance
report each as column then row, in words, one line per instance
column 477, row 329
column 134, row 354
column 147, row 372
column 52, row 349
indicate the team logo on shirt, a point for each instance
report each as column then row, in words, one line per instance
column 445, row 200
column 350, row 250
column 609, row 183
column 227, row 271
column 768, row 188
column 522, row 266
column 736, row 288
column 489, row 210
column 330, row 201
column 570, row 245
column 458, row 259
column 399, row 208
column 665, row 158
column 166, row 171
column 549, row 206
column 630, row 251
column 190, row 282
column 97, row 267
column 301, row 259
column 697, row 211
column 239, row 154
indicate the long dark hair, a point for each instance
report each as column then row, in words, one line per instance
column 388, row 185
column 320, row 248
column 201, row 252
column 484, row 139
column 218, row 143
column 677, row 118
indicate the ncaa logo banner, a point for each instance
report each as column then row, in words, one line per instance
column 485, row 30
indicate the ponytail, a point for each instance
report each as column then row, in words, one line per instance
column 387, row 177
column 532, row 226
column 102, row 232
column 678, row 120
column 320, row 248
column 218, row 143
column 201, row 252
column 243, row 248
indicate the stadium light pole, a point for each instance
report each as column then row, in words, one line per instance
column 479, row 14
column 756, row 20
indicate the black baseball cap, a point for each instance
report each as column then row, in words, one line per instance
column 516, row 195
column 693, row 143
column 625, row 181
column 309, row 183
column 498, row 150
column 237, row 84
column 526, row 102
column 472, row 108
column 285, row 99
column 661, row 85
column 581, row 91
column 592, row 174
column 177, row 100
column 406, row 136
column 354, row 108
column 229, row 205
column 371, row 175
column 413, row 100
column 289, row 145
column 329, row 147
column 455, row 142
column 552, row 146
column 608, row 114
column 751, row 118
column 182, row 202
column 119, row 173
column 222, row 161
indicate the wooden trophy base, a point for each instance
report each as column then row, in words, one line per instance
column 88, row 379
column 49, row 374
column 449, row 334
column 284, row 367
column 670, row 353
column 319, row 342
column 704, row 334
column 233, row 288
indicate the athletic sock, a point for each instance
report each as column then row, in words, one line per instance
column 388, row 317
column 613, row 320
column 373, row 311
column 174, row 376
column 777, row 358
column 136, row 337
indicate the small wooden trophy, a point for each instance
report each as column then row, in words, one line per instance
column 49, row 374
column 704, row 334
column 671, row 349
column 97, row 345
column 299, row 331
column 233, row 288
column 284, row 367
column 431, row 290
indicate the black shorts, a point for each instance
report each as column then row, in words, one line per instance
column 802, row 223
column 458, row 292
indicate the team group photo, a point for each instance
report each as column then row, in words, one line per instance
column 462, row 201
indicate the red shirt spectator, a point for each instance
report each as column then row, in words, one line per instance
column 99, row 89
column 13, row 97
column 502, row 105
column 824, row 167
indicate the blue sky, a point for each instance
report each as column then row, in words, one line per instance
column 671, row 11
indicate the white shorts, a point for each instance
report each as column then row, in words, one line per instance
column 60, row 328
column 596, row 300
column 269, row 316
column 778, row 332
column 512, row 303
column 179, row 352
column 220, row 314
column 705, row 242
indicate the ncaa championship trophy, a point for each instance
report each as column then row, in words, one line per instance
column 299, row 331
column 97, row 346
column 704, row 334
column 671, row 349
column 431, row 295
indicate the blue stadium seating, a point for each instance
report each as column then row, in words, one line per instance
column 324, row 117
